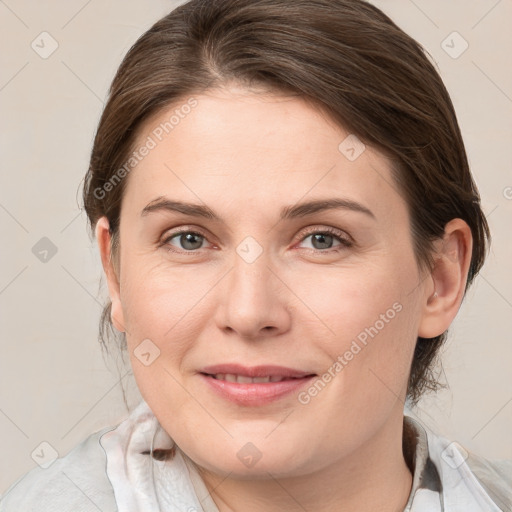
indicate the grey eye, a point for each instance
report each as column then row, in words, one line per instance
column 188, row 240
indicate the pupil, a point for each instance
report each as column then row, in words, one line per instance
column 322, row 237
column 188, row 238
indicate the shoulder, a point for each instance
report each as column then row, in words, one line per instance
column 76, row 482
column 462, row 472
column 495, row 476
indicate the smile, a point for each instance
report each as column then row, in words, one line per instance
column 253, row 386
column 244, row 379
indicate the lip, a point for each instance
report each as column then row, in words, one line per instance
column 255, row 393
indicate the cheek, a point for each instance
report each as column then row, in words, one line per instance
column 353, row 301
column 164, row 312
column 373, row 318
column 163, row 315
column 160, row 299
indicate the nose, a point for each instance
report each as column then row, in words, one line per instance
column 254, row 300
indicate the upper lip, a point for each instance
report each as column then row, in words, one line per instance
column 255, row 371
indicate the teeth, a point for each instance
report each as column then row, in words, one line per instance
column 261, row 379
column 243, row 379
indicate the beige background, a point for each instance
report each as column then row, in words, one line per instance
column 55, row 386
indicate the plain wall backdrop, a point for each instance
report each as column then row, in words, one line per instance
column 58, row 58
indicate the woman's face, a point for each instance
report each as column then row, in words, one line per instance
column 327, row 302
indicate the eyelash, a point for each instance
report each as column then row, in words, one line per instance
column 345, row 242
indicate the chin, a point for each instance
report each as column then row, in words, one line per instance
column 247, row 460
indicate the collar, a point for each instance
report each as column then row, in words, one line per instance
column 427, row 489
column 149, row 472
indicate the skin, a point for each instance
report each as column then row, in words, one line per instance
column 246, row 155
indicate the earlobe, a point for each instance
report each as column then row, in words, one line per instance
column 448, row 279
column 104, row 239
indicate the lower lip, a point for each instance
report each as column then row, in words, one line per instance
column 256, row 393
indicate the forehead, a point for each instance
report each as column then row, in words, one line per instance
column 253, row 149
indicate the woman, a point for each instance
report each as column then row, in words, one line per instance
column 288, row 225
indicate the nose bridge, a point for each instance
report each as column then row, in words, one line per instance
column 252, row 302
column 251, row 274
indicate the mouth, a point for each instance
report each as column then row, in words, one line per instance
column 252, row 386
column 245, row 379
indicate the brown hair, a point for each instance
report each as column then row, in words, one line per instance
column 345, row 56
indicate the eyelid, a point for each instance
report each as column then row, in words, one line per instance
column 342, row 235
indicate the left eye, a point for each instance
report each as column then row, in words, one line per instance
column 322, row 240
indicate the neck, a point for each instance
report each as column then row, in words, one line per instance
column 374, row 477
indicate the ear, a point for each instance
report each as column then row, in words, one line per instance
column 104, row 243
column 447, row 281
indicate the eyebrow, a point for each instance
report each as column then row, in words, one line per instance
column 162, row 203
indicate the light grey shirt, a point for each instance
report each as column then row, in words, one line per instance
column 136, row 467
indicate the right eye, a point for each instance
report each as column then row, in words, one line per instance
column 185, row 240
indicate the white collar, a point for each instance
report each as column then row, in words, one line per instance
column 442, row 479
column 134, row 474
